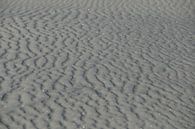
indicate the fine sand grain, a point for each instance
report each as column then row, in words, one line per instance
column 97, row 64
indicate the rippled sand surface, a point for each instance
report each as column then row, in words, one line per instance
column 97, row 64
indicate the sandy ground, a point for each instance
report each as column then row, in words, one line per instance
column 97, row 64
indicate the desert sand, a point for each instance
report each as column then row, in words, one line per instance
column 97, row 64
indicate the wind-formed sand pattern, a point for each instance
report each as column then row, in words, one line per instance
column 97, row 64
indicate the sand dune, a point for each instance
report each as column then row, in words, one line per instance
column 97, row 64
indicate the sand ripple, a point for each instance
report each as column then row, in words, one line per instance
column 69, row 64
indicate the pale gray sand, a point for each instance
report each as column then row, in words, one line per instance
column 97, row 64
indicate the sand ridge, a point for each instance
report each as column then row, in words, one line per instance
column 121, row 64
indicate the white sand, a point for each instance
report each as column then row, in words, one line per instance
column 97, row 64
